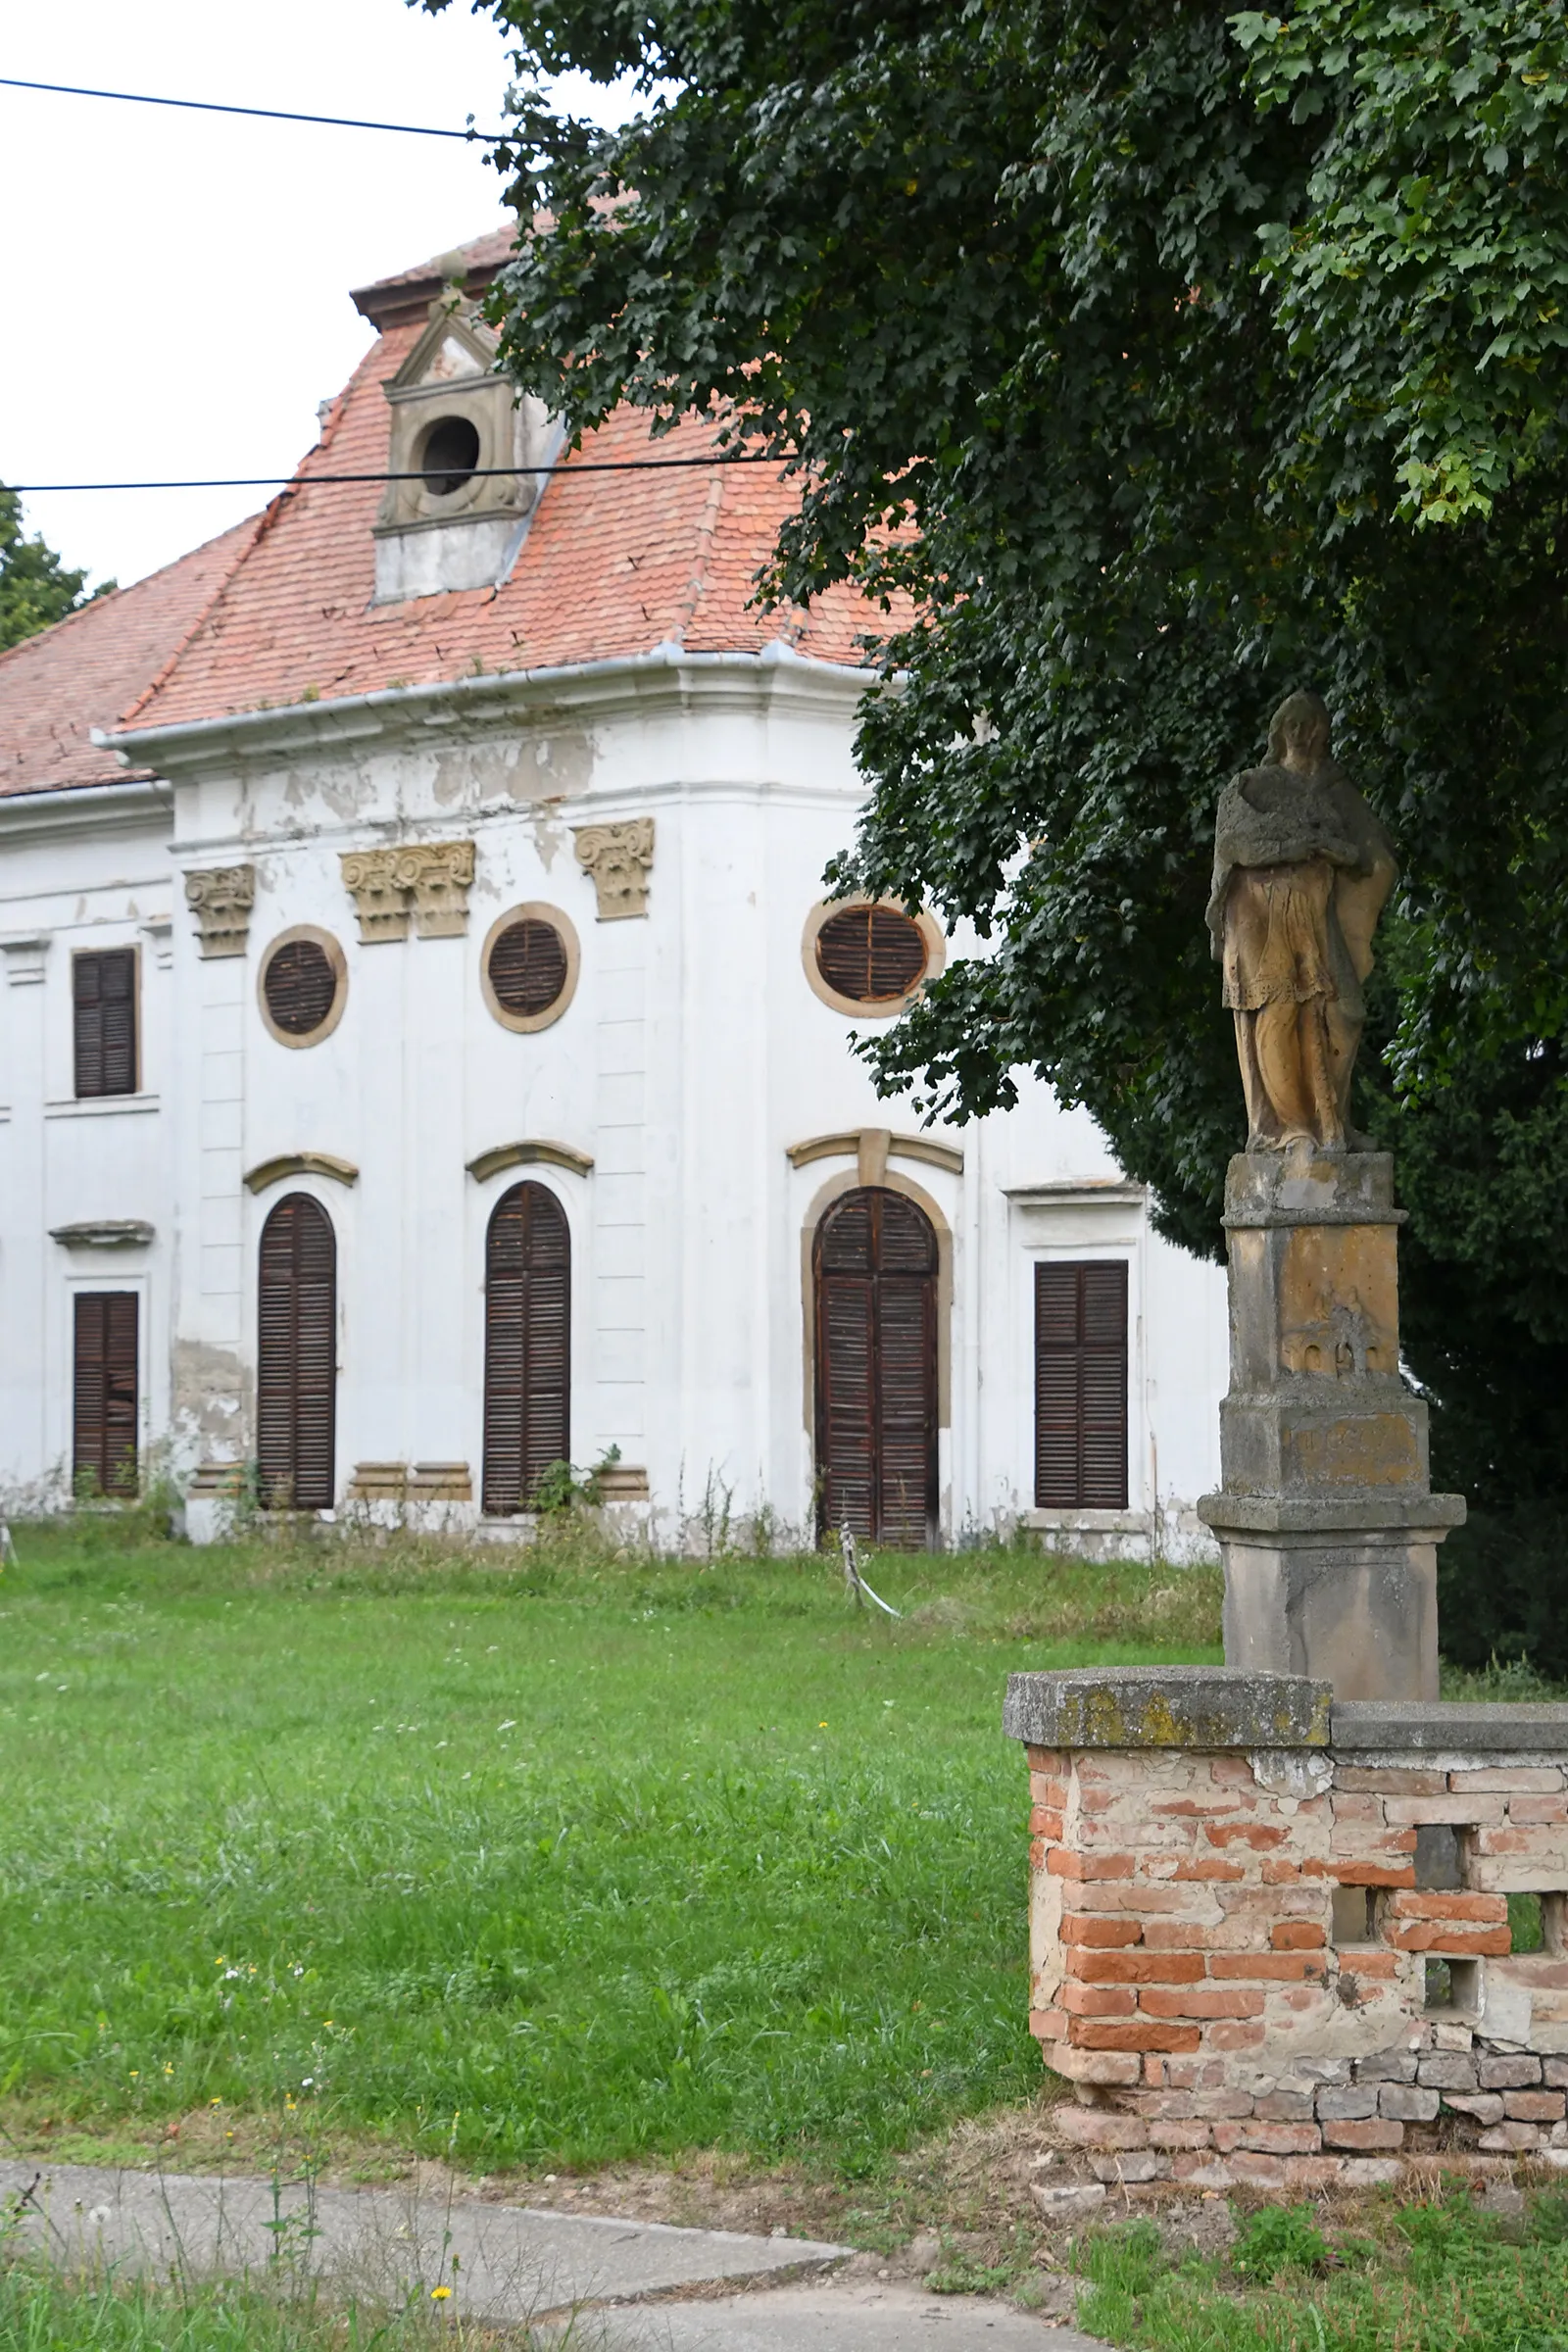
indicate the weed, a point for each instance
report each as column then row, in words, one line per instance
column 1279, row 2237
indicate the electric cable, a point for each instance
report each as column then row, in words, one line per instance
column 266, row 113
column 292, row 481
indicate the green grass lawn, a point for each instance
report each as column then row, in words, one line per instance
column 1440, row 2274
column 552, row 1859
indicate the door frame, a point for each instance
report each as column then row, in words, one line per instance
column 850, row 1181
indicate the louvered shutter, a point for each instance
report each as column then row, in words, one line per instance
column 296, row 1382
column 528, row 1345
column 1081, row 1384
column 105, row 1401
column 104, row 1013
column 300, row 986
column 875, row 1264
column 871, row 954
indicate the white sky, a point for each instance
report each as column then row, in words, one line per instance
column 174, row 286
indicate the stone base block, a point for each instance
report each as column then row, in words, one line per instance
column 1357, row 1607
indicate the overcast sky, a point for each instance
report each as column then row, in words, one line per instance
column 174, row 286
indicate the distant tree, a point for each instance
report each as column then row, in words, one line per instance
column 1147, row 359
column 35, row 588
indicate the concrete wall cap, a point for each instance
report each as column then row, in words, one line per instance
column 1424, row 1724
column 1166, row 1706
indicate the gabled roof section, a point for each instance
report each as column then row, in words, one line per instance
column 613, row 564
column 91, row 669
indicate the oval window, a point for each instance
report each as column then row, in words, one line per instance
column 529, row 968
column 302, row 986
column 871, row 954
column 450, row 455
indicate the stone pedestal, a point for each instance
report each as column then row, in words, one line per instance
column 1326, row 1521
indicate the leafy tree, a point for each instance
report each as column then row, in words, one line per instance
column 35, row 588
column 1143, row 360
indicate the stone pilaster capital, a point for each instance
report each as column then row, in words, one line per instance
column 619, row 857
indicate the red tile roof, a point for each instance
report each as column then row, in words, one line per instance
column 279, row 610
column 613, row 564
column 56, row 687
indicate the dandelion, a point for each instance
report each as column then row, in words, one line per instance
column 214, row 2102
column 135, row 2073
column 440, row 2294
column 821, row 1727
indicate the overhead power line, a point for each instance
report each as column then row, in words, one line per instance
column 289, row 481
column 265, row 114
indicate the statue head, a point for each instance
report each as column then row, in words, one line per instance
column 1299, row 732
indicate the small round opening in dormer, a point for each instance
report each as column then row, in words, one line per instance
column 449, row 455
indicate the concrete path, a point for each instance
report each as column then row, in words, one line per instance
column 618, row 2286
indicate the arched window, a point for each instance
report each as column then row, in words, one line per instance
column 528, row 1345
column 296, row 1373
column 874, row 1270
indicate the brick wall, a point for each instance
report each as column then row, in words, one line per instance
column 1230, row 1957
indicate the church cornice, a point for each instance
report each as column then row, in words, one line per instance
column 660, row 681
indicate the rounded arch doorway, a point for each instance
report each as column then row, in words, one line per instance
column 874, row 1292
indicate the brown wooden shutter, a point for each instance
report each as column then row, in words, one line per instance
column 875, row 1267
column 528, row 966
column 873, row 954
column 104, row 1448
column 296, row 1375
column 104, row 1007
column 528, row 1345
column 300, row 986
column 1081, row 1384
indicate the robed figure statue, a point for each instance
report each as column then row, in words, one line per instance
column 1302, row 869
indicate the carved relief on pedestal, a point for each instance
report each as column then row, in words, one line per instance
column 427, row 880
column 619, row 857
column 221, row 899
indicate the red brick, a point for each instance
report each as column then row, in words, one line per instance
column 1375, row 2134
column 1458, row 1943
column 1533, row 2106
column 1109, row 2069
column 1227, row 2035
column 1529, row 1778
column 1099, row 2128
column 1098, row 2000
column 1280, row 1967
column 1296, row 1935
column 1200, row 2000
column 1048, row 2025
column 1538, row 1812
column 1258, row 2172
column 1280, row 2139
column 1311, row 2174
column 1255, row 1833
column 1486, row 1910
column 1137, row 2033
column 1371, row 1874
column 1045, row 1759
column 1278, row 1872
column 1178, row 2132
column 1098, row 1966
column 1367, row 1963
column 1082, row 1926
column 1044, row 1822
column 1209, row 1870
column 1064, row 1862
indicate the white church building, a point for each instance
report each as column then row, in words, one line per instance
column 426, row 1051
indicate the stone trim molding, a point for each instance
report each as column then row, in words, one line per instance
column 930, row 930
column 300, row 1163
column 220, row 897
column 426, row 881
column 852, row 1145
column 24, row 953
column 417, row 1481
column 526, row 1024
column 1167, row 1707
column 104, row 1232
column 618, row 859
column 340, row 987
column 542, row 1154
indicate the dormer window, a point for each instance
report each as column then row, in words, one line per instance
column 456, row 516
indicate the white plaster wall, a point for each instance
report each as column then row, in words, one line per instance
column 693, row 1055
column 83, row 871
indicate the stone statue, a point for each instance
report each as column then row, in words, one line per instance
column 1302, row 869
